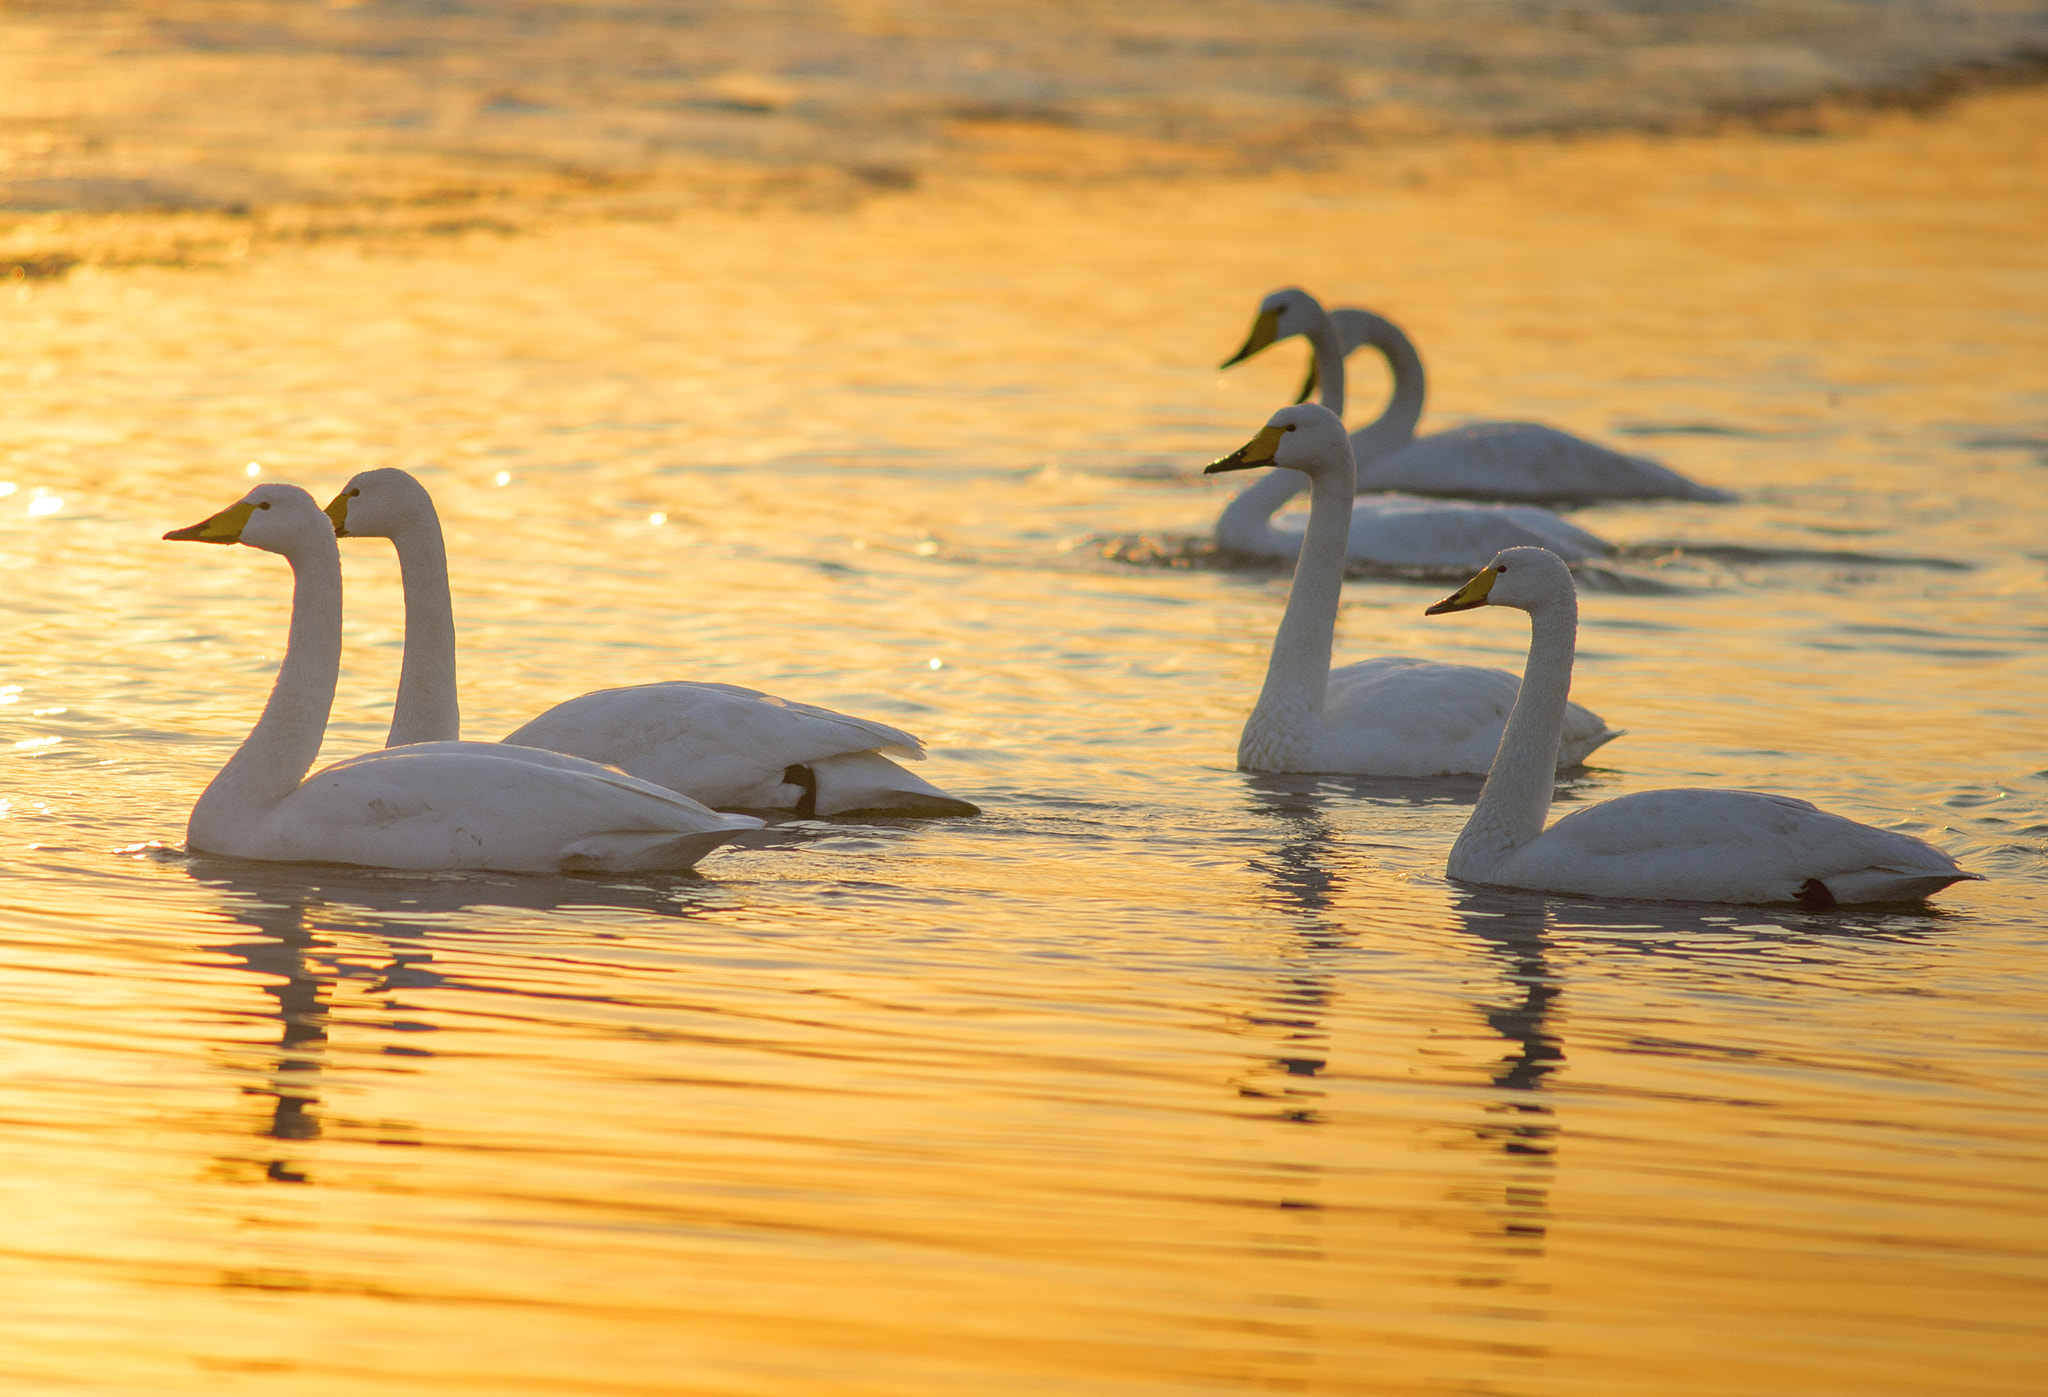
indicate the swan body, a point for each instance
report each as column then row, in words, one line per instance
column 1522, row 462
column 436, row 806
column 1390, row 716
column 720, row 744
column 736, row 748
column 1676, row 845
column 1396, row 716
column 1527, row 461
column 1402, row 531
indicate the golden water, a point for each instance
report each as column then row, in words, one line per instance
column 1157, row 1078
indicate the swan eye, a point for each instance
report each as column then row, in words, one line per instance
column 353, row 493
column 265, row 504
column 1500, row 567
column 1289, row 427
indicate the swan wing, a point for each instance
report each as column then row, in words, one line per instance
column 722, row 744
column 1526, row 461
column 1727, row 846
column 1399, row 716
column 1405, row 531
column 480, row 805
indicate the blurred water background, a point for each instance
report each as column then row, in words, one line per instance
column 865, row 353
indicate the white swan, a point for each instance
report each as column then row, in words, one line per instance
column 1390, row 716
column 440, row 805
column 1678, row 845
column 729, row 747
column 1524, row 462
column 1399, row 531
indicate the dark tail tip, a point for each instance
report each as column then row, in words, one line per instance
column 807, row 803
column 1815, row 897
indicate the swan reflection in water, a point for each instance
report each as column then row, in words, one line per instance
column 1305, row 869
column 310, row 925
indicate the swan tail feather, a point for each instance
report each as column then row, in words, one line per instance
column 646, row 851
column 1576, row 750
column 1897, row 884
column 868, row 783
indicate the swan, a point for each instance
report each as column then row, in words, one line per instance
column 1678, row 845
column 1390, row 716
column 1523, row 462
column 435, row 806
column 727, row 746
column 1400, row 531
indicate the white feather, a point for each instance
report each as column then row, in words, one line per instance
column 1680, row 845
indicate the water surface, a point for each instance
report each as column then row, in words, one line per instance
column 1158, row 1077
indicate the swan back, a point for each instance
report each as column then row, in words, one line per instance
column 1527, row 462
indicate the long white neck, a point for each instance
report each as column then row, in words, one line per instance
column 1287, row 722
column 1395, row 427
column 1245, row 525
column 278, row 751
column 1329, row 350
column 1516, row 798
column 427, row 710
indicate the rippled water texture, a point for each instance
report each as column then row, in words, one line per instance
column 1157, row 1078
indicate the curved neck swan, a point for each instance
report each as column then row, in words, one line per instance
column 1331, row 336
column 274, row 758
column 1516, row 798
column 1395, row 427
column 427, row 709
column 1286, row 723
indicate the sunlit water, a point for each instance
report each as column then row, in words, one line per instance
column 1157, row 1077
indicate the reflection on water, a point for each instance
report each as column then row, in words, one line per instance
column 1156, row 1077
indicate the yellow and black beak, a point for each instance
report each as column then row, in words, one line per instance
column 1259, row 451
column 1265, row 331
column 1471, row 595
column 224, row 527
column 337, row 510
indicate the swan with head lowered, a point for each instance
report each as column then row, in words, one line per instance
column 1520, row 462
column 1390, row 716
column 1679, row 845
column 435, row 806
column 730, row 747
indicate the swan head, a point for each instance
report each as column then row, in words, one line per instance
column 1285, row 313
column 379, row 504
column 1524, row 578
column 274, row 517
column 1307, row 437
